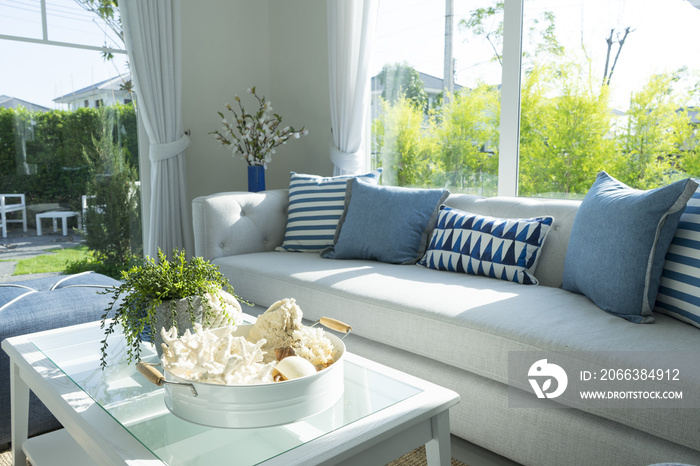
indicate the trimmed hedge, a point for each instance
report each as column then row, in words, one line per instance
column 47, row 155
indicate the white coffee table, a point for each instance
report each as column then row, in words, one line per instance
column 63, row 215
column 117, row 417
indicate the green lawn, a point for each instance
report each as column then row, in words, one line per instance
column 54, row 261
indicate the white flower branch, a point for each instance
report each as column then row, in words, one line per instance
column 255, row 136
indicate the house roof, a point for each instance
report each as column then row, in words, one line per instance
column 429, row 83
column 7, row 101
column 111, row 84
column 693, row 114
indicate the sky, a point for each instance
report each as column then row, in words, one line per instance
column 664, row 38
column 39, row 73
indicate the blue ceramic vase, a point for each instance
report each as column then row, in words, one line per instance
column 256, row 178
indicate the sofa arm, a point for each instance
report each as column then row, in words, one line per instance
column 227, row 224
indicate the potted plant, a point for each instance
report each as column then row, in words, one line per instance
column 166, row 293
column 255, row 136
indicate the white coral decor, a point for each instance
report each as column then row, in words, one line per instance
column 224, row 359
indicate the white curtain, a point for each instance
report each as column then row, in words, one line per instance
column 351, row 28
column 153, row 43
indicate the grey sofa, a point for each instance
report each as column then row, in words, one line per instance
column 44, row 304
column 458, row 330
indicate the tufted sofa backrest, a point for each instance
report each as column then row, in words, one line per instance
column 227, row 224
column 233, row 223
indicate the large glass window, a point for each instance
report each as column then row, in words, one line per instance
column 609, row 85
column 68, row 127
column 428, row 130
column 606, row 85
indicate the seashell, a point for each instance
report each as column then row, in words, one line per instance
column 284, row 352
column 277, row 324
column 293, row 367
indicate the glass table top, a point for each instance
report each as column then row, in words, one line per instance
column 139, row 406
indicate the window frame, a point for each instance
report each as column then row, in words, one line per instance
column 45, row 37
column 509, row 143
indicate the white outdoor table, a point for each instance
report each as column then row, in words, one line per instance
column 117, row 417
column 54, row 216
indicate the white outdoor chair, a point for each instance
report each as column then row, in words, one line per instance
column 7, row 207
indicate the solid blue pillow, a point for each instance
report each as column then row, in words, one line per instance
column 507, row 249
column 385, row 223
column 618, row 242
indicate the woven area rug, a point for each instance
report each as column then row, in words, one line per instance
column 6, row 458
column 415, row 458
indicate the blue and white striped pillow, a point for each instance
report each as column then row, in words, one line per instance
column 315, row 207
column 679, row 293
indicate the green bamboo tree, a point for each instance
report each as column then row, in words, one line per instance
column 466, row 139
column 650, row 139
column 565, row 136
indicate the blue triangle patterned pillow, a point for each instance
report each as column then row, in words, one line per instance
column 507, row 249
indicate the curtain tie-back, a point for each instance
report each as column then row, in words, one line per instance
column 350, row 162
column 158, row 152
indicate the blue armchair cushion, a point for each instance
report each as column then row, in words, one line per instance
column 43, row 304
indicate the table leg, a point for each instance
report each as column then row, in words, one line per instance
column 438, row 449
column 38, row 225
column 64, row 225
column 53, row 222
column 19, row 414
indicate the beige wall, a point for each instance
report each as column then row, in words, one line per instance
column 225, row 50
column 276, row 45
column 299, row 81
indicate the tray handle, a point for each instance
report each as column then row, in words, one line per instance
column 334, row 324
column 154, row 376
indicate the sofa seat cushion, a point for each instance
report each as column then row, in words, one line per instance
column 469, row 322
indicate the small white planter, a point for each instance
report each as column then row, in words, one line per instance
column 184, row 321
